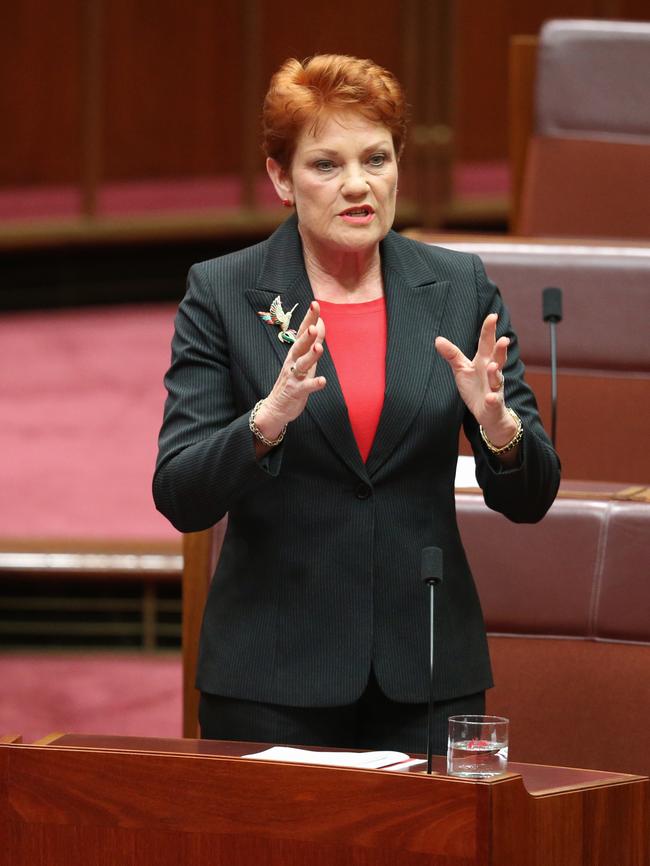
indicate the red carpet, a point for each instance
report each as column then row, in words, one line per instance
column 128, row 694
column 82, row 401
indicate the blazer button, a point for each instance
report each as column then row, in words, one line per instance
column 363, row 491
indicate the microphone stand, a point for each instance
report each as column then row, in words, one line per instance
column 431, row 575
column 552, row 313
column 553, row 325
column 431, row 669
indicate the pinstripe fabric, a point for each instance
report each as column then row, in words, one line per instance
column 319, row 572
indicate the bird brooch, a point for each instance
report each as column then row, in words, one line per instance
column 277, row 316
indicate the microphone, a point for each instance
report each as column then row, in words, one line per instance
column 552, row 304
column 431, row 565
column 431, row 574
column 552, row 313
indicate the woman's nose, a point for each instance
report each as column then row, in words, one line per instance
column 355, row 182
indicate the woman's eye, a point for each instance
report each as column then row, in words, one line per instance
column 377, row 159
column 324, row 165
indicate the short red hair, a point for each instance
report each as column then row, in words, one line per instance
column 302, row 92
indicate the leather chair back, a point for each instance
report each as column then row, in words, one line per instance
column 587, row 168
column 567, row 607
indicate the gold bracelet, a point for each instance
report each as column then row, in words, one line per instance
column 516, row 439
column 257, row 433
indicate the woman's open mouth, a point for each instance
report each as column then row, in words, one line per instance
column 358, row 215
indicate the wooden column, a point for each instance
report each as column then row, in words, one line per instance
column 521, row 111
column 92, row 105
column 428, row 40
column 200, row 555
column 251, row 74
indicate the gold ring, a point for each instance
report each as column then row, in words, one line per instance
column 500, row 385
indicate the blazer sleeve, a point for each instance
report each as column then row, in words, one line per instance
column 206, row 454
column 525, row 492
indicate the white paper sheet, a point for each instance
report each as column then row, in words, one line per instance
column 466, row 474
column 362, row 760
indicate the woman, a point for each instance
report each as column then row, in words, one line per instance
column 332, row 446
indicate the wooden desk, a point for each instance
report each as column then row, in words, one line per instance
column 75, row 799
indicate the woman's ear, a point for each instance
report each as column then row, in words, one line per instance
column 281, row 181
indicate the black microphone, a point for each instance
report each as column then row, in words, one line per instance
column 552, row 304
column 431, row 565
column 552, row 313
column 431, row 573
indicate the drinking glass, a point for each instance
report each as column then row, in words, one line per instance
column 477, row 747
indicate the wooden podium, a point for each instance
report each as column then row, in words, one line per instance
column 81, row 800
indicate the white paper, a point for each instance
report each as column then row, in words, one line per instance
column 404, row 765
column 466, row 474
column 362, row 760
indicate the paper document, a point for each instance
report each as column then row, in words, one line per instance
column 363, row 760
column 466, row 474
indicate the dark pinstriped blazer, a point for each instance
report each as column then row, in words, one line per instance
column 319, row 572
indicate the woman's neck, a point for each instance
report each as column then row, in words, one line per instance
column 345, row 277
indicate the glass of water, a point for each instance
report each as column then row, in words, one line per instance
column 477, row 747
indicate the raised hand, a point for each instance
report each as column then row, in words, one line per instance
column 297, row 378
column 480, row 380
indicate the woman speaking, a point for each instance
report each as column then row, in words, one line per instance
column 317, row 388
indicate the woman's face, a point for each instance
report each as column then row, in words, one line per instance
column 343, row 181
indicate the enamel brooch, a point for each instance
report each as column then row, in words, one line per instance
column 277, row 316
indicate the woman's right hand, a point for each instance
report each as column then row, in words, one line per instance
column 296, row 381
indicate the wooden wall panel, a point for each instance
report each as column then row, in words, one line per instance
column 40, row 91
column 173, row 88
column 173, row 75
column 175, row 82
column 366, row 28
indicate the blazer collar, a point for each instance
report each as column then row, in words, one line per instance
column 415, row 300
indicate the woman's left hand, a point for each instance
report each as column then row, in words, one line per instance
column 480, row 381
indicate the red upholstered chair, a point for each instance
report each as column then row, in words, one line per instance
column 587, row 167
column 567, row 607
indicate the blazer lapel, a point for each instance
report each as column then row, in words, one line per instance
column 415, row 302
column 284, row 274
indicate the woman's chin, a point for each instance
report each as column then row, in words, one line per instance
column 354, row 239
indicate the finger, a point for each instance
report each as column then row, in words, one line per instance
column 305, row 364
column 495, row 377
column 302, row 345
column 320, row 327
column 315, row 320
column 500, row 353
column 487, row 338
column 295, row 370
column 493, row 399
column 316, row 383
column 310, row 317
column 307, row 384
column 451, row 353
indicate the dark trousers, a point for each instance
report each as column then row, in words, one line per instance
column 372, row 722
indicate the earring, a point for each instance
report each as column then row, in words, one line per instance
column 287, row 202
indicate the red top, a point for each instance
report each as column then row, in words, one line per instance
column 356, row 339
